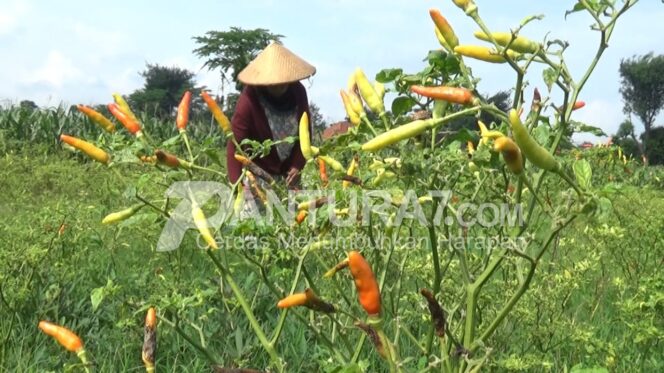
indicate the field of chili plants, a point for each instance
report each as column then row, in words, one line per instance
column 413, row 244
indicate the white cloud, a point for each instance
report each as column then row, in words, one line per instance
column 11, row 16
column 56, row 70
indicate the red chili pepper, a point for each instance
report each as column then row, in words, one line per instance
column 578, row 105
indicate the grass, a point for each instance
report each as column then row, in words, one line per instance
column 594, row 303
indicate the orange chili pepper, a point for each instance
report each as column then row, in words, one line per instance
column 65, row 337
column 218, row 115
column 130, row 124
column 365, row 282
column 183, row 111
column 323, row 173
column 455, row 95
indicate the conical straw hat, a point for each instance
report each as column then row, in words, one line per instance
column 275, row 65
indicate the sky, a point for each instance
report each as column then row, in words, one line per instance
column 81, row 51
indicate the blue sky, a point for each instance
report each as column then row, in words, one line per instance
column 82, row 51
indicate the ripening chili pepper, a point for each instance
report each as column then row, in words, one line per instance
column 149, row 340
column 322, row 171
column 202, row 225
column 519, row 44
column 437, row 313
column 254, row 168
column 368, row 93
column 354, row 164
column 336, row 165
column 183, row 111
column 254, row 186
column 307, row 299
column 374, row 337
column 455, row 95
column 351, row 179
column 89, row 149
column 395, row 135
column 537, row 100
column 305, row 137
column 314, row 203
column 353, row 117
column 344, row 263
column 444, row 27
column 219, row 116
column 578, row 105
column 65, row 337
column 119, row 216
column 441, row 39
column 129, row 123
column 124, row 106
column 97, row 117
column 470, row 147
column 170, row 160
column 533, row 151
column 293, row 300
column 511, row 154
column 365, row 282
column 483, row 53
column 301, row 215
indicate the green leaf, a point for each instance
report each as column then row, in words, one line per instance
column 582, row 127
column 216, row 157
column 388, row 75
column 583, row 173
column 550, row 76
column 96, row 296
column 402, row 105
column 577, row 8
column 541, row 135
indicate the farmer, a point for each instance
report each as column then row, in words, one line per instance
column 269, row 108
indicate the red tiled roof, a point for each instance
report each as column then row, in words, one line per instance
column 335, row 129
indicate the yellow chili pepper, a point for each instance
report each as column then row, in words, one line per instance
column 119, row 216
column 483, row 53
column 368, row 93
column 354, row 163
column 397, row 134
column 353, row 117
column 202, row 225
column 89, row 149
column 520, row 44
column 305, row 137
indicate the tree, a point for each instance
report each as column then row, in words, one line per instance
column 643, row 90
column 626, row 139
column 317, row 120
column 655, row 146
column 231, row 51
column 163, row 89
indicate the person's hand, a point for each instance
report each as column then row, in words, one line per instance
column 293, row 178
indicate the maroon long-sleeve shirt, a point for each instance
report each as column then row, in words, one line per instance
column 250, row 122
